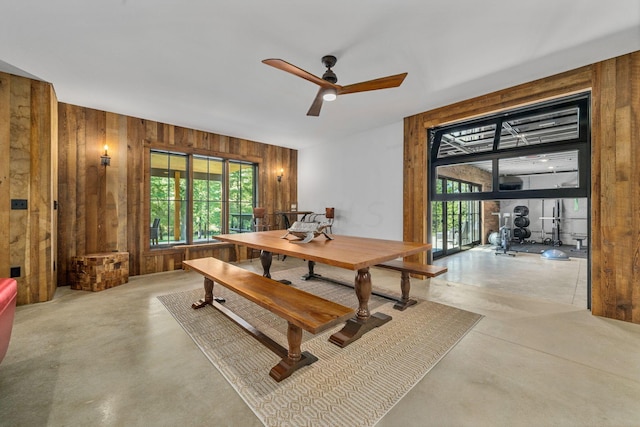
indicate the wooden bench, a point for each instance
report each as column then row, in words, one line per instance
column 300, row 309
column 406, row 268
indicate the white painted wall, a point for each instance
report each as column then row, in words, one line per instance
column 361, row 177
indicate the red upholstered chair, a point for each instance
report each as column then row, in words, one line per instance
column 8, row 295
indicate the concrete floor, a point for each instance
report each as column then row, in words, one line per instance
column 537, row 358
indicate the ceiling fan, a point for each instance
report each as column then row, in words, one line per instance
column 329, row 90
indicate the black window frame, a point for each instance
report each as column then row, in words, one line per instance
column 581, row 144
column 226, row 203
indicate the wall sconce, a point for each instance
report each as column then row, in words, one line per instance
column 105, row 160
column 279, row 177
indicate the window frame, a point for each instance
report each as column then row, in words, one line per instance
column 475, row 213
column 580, row 144
column 190, row 152
column 184, row 202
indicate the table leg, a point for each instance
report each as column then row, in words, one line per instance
column 311, row 275
column 363, row 292
column 208, row 296
column 285, row 219
column 363, row 322
column 266, row 258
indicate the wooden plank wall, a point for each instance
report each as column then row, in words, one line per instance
column 615, row 170
column 105, row 209
column 615, row 206
column 28, row 170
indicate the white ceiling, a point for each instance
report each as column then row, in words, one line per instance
column 197, row 63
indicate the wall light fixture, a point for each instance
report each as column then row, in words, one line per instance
column 105, row 160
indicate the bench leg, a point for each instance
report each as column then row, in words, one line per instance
column 405, row 287
column 208, row 296
column 295, row 358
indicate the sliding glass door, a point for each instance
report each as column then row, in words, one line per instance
column 455, row 225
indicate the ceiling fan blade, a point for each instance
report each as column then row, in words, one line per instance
column 296, row 71
column 381, row 83
column 314, row 110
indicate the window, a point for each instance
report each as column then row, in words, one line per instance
column 168, row 197
column 194, row 198
column 208, row 195
column 467, row 140
column 533, row 152
column 455, row 225
column 544, row 127
column 241, row 196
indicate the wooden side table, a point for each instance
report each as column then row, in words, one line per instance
column 99, row 271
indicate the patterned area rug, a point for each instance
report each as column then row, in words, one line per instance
column 355, row 385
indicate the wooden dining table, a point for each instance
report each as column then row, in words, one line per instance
column 349, row 252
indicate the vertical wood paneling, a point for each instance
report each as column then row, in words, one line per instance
column 28, row 109
column 604, row 141
column 110, row 202
column 615, row 169
column 634, row 140
column 64, row 184
column 40, row 251
column 137, row 165
column 615, row 272
column 596, row 240
column 122, row 190
column 5, row 161
column 415, row 183
column 20, row 170
column 623, row 164
column 53, row 209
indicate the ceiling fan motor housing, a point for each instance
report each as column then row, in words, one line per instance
column 329, row 61
column 330, row 76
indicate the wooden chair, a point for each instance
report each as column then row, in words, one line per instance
column 260, row 223
column 260, row 220
column 329, row 213
column 154, row 231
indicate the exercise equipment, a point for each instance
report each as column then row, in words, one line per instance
column 555, row 231
column 579, row 245
column 494, row 238
column 521, row 210
column 521, row 221
column 504, row 248
column 521, row 234
column 555, row 255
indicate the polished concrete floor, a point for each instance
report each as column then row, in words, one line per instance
column 525, row 274
column 537, row 358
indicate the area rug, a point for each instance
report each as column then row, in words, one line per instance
column 355, row 385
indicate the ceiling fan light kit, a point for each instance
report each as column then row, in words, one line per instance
column 329, row 90
column 329, row 94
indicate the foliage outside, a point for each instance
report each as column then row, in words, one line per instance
column 169, row 197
